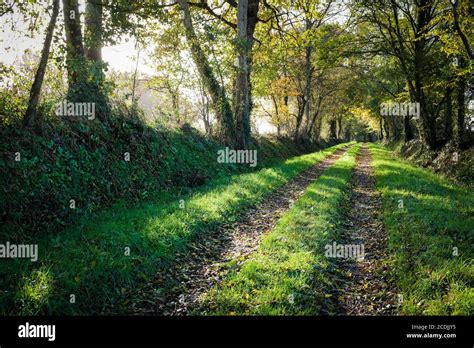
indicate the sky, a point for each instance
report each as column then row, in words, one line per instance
column 119, row 57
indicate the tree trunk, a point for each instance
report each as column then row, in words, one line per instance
column 174, row 95
column 299, row 116
column 35, row 91
column 315, row 115
column 427, row 121
column 457, row 26
column 448, row 126
column 339, row 127
column 93, row 30
column 242, row 102
column 408, row 132
column 134, row 81
column 332, row 129
column 205, row 110
column 461, row 100
column 381, row 128
column 386, row 127
column 246, row 22
column 348, row 131
column 309, row 77
column 407, row 129
column 252, row 20
column 305, row 97
column 395, row 128
column 220, row 102
column 75, row 48
column 317, row 128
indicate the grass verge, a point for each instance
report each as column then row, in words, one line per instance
column 102, row 260
column 431, row 228
column 288, row 274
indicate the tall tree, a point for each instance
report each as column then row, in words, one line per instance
column 31, row 111
column 405, row 32
column 312, row 14
column 245, row 30
column 461, row 101
column 425, row 12
column 93, row 34
column 75, row 47
column 219, row 99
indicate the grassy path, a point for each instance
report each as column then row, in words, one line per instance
column 228, row 246
column 417, row 231
column 288, row 274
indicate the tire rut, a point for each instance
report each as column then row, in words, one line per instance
column 366, row 289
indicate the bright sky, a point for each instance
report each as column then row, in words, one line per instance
column 123, row 57
column 119, row 57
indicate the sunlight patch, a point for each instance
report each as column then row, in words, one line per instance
column 34, row 291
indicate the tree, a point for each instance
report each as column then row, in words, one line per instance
column 74, row 44
column 220, row 102
column 405, row 31
column 35, row 91
column 459, row 30
column 247, row 18
column 93, row 34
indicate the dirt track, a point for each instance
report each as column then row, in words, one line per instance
column 195, row 273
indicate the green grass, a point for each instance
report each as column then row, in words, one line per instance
column 437, row 216
column 89, row 261
column 288, row 274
